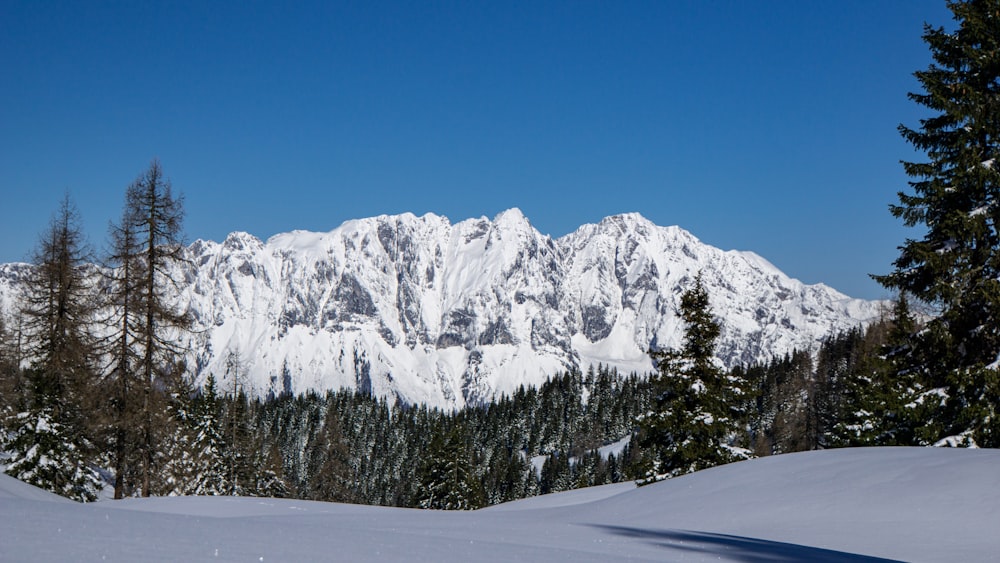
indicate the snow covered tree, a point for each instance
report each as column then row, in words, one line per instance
column 269, row 480
column 328, row 464
column 48, row 442
column 955, row 196
column 880, row 400
column 11, row 385
column 50, row 455
column 214, row 450
column 692, row 424
column 783, row 390
column 447, row 476
column 506, row 474
column 238, row 450
column 194, row 452
column 556, row 474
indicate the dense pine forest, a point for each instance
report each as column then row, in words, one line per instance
column 351, row 447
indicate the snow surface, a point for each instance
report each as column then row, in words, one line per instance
column 913, row 504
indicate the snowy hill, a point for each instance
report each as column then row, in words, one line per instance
column 423, row 310
column 876, row 504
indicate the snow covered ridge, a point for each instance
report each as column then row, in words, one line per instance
column 857, row 505
column 426, row 311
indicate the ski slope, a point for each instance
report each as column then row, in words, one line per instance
column 875, row 504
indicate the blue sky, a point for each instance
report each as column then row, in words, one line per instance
column 764, row 126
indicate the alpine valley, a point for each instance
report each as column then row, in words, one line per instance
column 420, row 310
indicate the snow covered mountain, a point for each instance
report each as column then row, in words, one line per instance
column 427, row 311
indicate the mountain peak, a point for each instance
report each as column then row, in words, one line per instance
column 424, row 311
column 513, row 213
column 239, row 240
column 512, row 217
column 630, row 218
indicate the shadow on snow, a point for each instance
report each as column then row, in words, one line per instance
column 738, row 548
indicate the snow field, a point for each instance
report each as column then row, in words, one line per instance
column 912, row 504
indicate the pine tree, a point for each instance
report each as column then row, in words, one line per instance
column 857, row 413
column 249, row 465
column 783, row 398
column 269, row 480
column 50, row 455
column 328, row 463
column 505, row 477
column 881, row 402
column 194, row 452
column 955, row 266
column 13, row 392
column 556, row 474
column 10, row 377
column 898, row 392
column 692, row 425
column 447, row 477
column 237, row 452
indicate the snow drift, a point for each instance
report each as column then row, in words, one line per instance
column 872, row 504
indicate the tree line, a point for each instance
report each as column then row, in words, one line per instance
column 91, row 368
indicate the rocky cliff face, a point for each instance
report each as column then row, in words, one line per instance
column 422, row 310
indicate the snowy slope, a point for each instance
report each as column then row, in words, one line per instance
column 907, row 504
column 423, row 310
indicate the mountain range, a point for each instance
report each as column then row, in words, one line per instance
column 421, row 310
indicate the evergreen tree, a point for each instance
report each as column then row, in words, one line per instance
column 269, row 480
column 955, row 266
column 898, row 393
column 880, row 397
column 858, row 413
column 48, row 454
column 194, row 452
column 692, row 425
column 401, row 455
column 447, row 477
column 556, row 474
column 505, row 477
column 328, row 464
column 238, row 451
column 10, row 374
column 783, row 397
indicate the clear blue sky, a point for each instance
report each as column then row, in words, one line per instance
column 764, row 126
